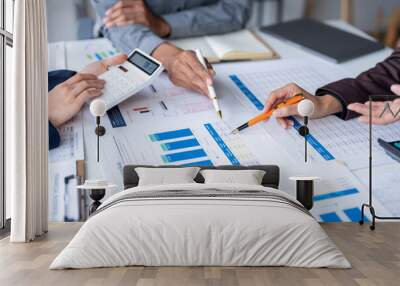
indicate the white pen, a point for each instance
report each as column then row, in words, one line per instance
column 211, row 90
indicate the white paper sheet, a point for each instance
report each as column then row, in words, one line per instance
column 338, row 195
column 81, row 53
column 385, row 185
column 332, row 138
column 63, row 195
column 56, row 53
column 71, row 145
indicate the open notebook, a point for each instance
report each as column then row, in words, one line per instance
column 236, row 46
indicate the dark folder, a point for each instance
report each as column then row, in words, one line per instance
column 326, row 41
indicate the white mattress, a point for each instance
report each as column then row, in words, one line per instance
column 191, row 231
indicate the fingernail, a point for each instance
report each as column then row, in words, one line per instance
column 209, row 81
column 395, row 88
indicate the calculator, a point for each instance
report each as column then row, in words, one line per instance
column 127, row 79
column 391, row 148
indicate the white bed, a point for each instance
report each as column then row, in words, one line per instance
column 225, row 225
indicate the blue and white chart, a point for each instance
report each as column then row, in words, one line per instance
column 185, row 140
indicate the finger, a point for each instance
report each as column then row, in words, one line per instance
column 289, row 110
column 79, row 77
column 124, row 13
column 198, row 68
column 395, row 88
column 284, row 122
column 121, row 23
column 279, row 95
column 87, row 84
column 122, row 20
column 360, row 108
column 118, row 6
column 199, row 83
column 200, row 78
column 86, row 96
column 116, row 60
column 187, row 78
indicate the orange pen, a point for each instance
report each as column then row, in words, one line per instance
column 264, row 116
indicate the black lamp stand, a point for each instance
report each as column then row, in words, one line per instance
column 304, row 131
column 100, row 131
column 370, row 203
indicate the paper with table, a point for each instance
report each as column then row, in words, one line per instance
column 75, row 55
column 63, row 196
column 386, row 186
column 331, row 138
column 165, row 125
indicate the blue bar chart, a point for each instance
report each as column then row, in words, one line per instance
column 351, row 214
column 180, row 144
column 180, row 147
column 100, row 55
column 207, row 144
column 175, row 134
column 336, row 194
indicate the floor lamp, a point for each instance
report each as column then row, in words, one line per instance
column 370, row 203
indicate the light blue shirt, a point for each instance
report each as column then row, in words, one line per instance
column 187, row 18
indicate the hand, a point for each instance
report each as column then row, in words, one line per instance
column 126, row 12
column 67, row 98
column 99, row 67
column 184, row 69
column 324, row 105
column 378, row 117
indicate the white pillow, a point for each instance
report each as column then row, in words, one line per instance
column 166, row 176
column 246, row 177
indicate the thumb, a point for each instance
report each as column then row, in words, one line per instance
column 116, row 60
column 395, row 88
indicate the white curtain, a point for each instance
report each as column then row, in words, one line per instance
column 27, row 123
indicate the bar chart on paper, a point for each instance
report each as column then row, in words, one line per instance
column 181, row 147
column 81, row 53
column 206, row 145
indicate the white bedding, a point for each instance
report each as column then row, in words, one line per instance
column 203, row 231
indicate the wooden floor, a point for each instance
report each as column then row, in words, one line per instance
column 375, row 257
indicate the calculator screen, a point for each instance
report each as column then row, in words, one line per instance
column 143, row 63
column 395, row 144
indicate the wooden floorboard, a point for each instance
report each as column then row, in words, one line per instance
column 375, row 257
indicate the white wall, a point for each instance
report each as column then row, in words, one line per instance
column 62, row 18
